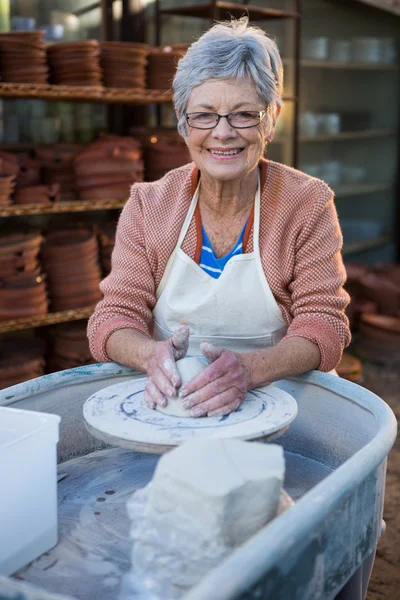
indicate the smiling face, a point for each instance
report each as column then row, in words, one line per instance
column 225, row 153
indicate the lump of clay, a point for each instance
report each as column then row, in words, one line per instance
column 206, row 498
column 229, row 487
column 188, row 368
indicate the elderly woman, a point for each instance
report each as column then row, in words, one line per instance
column 232, row 256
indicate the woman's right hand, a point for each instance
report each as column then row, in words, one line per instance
column 162, row 374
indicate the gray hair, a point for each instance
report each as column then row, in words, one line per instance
column 229, row 50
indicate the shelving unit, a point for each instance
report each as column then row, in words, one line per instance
column 350, row 135
column 355, row 247
column 360, row 66
column 84, row 94
column 49, row 319
column 218, row 9
column 18, row 210
column 342, row 191
column 365, row 92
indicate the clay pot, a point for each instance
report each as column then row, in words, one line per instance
column 19, row 49
column 75, row 63
column 22, row 280
column 80, row 240
column 111, row 166
column 30, row 171
column 357, row 307
column 162, row 66
column 8, row 164
column 115, row 191
column 17, row 244
column 349, row 368
column 383, row 291
column 77, row 301
column 23, row 312
column 38, row 194
column 379, row 338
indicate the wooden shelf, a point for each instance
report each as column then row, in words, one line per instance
column 360, row 188
column 354, row 247
column 362, row 66
column 49, row 319
column 350, row 135
column 84, row 94
column 228, row 9
column 18, row 210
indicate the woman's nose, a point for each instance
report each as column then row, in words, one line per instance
column 223, row 130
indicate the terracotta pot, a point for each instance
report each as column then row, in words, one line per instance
column 105, row 152
column 68, row 272
column 22, row 280
column 75, row 302
column 110, row 166
column 73, row 46
column 30, row 172
column 18, row 265
column 389, row 324
column 350, row 367
column 108, row 192
column 73, row 330
column 18, row 243
column 8, row 164
column 57, row 241
column 38, row 194
column 21, row 313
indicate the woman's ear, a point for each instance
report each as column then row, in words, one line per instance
column 275, row 118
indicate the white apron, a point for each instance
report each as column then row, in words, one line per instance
column 237, row 311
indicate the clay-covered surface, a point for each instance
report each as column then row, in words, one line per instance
column 385, row 579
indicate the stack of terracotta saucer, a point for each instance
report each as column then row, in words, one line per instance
column 22, row 284
column 30, row 171
column 9, row 170
column 21, row 358
column 107, row 241
column 163, row 61
column 350, row 368
column 58, row 168
column 69, row 346
column 37, row 194
column 75, row 63
column 7, row 185
column 23, row 57
column 165, row 152
column 124, row 64
column 380, row 338
column 107, row 168
column 70, row 259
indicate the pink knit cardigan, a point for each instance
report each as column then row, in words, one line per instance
column 300, row 245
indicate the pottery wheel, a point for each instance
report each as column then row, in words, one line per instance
column 118, row 415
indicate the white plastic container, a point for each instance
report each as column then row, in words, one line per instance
column 28, row 486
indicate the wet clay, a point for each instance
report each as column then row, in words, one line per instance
column 188, row 369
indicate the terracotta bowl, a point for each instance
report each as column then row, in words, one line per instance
column 350, row 367
column 75, row 302
column 38, row 194
column 68, row 239
column 22, row 313
column 18, row 243
column 112, row 191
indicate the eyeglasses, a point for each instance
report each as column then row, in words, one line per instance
column 239, row 120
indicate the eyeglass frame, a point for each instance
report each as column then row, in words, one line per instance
column 261, row 113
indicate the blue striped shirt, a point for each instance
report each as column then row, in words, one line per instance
column 210, row 263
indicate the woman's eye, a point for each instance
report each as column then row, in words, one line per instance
column 246, row 115
column 203, row 117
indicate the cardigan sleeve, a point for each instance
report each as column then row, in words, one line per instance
column 318, row 297
column 129, row 290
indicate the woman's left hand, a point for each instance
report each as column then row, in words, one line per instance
column 220, row 388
